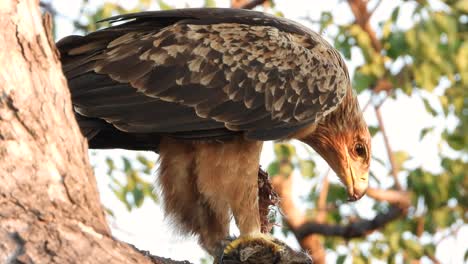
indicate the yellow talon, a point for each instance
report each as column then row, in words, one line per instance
column 259, row 239
column 261, row 249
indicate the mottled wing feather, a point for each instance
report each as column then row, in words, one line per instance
column 222, row 77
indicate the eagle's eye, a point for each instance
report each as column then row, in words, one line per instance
column 360, row 150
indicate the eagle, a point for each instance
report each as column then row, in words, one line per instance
column 204, row 88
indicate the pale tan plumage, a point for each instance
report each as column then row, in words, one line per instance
column 205, row 88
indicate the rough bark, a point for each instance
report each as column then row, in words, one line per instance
column 49, row 205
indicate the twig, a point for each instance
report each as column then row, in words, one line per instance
column 375, row 8
column 322, row 200
column 48, row 7
column 391, row 157
column 452, row 233
column 367, row 104
column 243, row 4
column 252, row 4
column 396, row 198
column 433, row 258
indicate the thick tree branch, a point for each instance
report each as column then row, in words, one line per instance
column 356, row 229
column 399, row 200
column 49, row 204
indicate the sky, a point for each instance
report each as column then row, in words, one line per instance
column 146, row 228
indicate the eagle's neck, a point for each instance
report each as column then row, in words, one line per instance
column 346, row 117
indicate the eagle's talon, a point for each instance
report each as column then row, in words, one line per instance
column 260, row 249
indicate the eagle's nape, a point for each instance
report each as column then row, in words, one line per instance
column 204, row 88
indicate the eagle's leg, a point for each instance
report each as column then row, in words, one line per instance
column 191, row 212
column 228, row 175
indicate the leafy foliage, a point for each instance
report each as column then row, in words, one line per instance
column 426, row 59
column 130, row 183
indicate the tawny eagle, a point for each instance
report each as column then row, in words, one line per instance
column 205, row 88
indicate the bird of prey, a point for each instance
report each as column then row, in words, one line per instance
column 205, row 88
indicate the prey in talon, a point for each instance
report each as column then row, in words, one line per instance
column 204, row 88
column 261, row 250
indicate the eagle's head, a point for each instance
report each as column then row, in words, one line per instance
column 342, row 138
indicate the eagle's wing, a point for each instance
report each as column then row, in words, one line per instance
column 202, row 73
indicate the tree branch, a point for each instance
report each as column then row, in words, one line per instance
column 375, row 8
column 245, row 4
column 49, row 203
column 362, row 16
column 397, row 198
column 356, row 229
column 322, row 200
column 391, row 157
column 295, row 218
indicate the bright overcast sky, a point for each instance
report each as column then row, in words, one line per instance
column 145, row 228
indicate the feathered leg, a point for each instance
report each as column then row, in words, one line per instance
column 228, row 176
column 182, row 200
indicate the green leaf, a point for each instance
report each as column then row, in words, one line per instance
column 401, row 157
column 326, row 19
column 286, row 168
column 455, row 141
column 373, row 130
column 429, row 250
column 148, row 165
column 413, row 248
column 462, row 65
column 138, row 197
column 210, row 3
column 110, row 166
column 336, row 192
column 462, row 5
column 273, row 168
column 428, row 107
column 362, row 81
column 307, row 168
column 131, row 181
column 396, row 44
column 425, row 131
column 127, row 165
column 341, row 259
column 363, row 41
column 395, row 14
column 394, row 241
column 284, row 151
column 164, row 6
column 359, row 260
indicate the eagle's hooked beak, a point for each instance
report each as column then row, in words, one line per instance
column 355, row 179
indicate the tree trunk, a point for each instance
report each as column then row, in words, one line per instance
column 49, row 205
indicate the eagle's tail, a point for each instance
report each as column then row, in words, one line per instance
column 102, row 135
